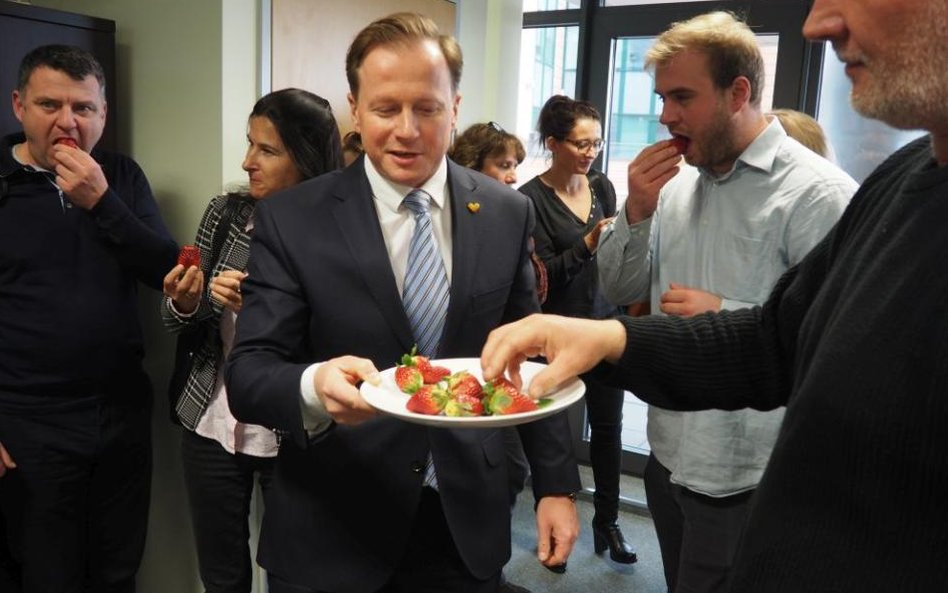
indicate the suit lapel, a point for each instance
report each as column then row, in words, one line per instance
column 358, row 222
column 465, row 246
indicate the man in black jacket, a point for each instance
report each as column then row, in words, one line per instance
column 79, row 229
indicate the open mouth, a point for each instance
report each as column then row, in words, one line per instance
column 67, row 141
column 681, row 144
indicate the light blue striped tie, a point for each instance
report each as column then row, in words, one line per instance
column 425, row 295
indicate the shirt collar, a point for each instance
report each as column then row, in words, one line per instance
column 390, row 194
column 762, row 152
column 759, row 154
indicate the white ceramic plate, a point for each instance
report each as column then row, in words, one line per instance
column 389, row 399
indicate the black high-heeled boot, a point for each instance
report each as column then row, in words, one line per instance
column 610, row 536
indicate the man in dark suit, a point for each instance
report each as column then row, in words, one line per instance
column 354, row 506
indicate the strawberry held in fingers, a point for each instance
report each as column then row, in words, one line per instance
column 67, row 141
column 189, row 256
column 681, row 144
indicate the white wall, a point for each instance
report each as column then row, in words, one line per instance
column 489, row 33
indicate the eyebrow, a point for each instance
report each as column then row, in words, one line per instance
column 263, row 144
column 674, row 91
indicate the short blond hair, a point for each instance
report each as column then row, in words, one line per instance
column 729, row 44
column 804, row 129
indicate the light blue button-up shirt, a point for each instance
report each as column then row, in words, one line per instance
column 733, row 235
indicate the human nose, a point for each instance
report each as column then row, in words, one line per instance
column 824, row 22
column 66, row 118
column 510, row 178
column 407, row 125
column 249, row 162
column 669, row 114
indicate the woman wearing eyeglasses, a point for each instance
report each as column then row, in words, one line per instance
column 573, row 203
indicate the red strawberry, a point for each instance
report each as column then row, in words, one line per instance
column 189, row 256
column 464, row 383
column 501, row 397
column 408, row 379
column 433, row 374
column 429, row 373
column 67, row 141
column 681, row 144
column 464, row 405
column 427, row 400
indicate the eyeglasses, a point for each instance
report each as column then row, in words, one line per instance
column 585, row 145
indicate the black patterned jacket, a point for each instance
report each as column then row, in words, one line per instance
column 234, row 253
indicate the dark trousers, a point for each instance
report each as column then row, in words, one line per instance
column 698, row 535
column 9, row 570
column 220, row 488
column 604, row 411
column 76, row 506
column 430, row 565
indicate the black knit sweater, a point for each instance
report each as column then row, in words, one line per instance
column 69, row 325
column 854, row 341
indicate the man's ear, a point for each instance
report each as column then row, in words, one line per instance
column 353, row 113
column 740, row 93
column 17, row 105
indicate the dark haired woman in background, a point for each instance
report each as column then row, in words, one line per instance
column 573, row 203
column 292, row 136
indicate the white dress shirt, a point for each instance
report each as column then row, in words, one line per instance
column 398, row 225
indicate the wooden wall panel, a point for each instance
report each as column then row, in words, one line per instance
column 309, row 42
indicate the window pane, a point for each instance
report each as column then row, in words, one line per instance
column 858, row 144
column 547, row 68
column 541, row 5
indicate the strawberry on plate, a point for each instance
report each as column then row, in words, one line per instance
column 501, row 397
column 464, row 405
column 429, row 374
column 433, row 374
column 408, row 378
column 464, row 383
column 428, row 399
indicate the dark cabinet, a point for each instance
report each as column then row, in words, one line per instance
column 23, row 27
